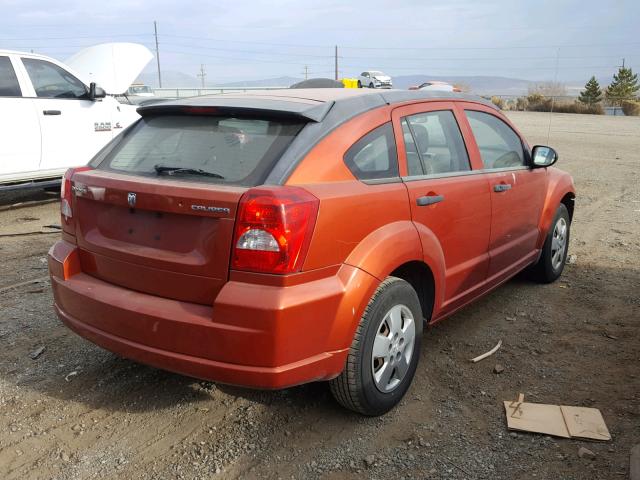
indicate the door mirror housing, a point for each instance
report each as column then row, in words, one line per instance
column 96, row 92
column 542, row 156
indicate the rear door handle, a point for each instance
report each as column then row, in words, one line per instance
column 429, row 200
column 502, row 187
column 52, row 112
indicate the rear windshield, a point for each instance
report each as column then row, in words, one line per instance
column 238, row 151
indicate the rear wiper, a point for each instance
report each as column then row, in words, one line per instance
column 166, row 170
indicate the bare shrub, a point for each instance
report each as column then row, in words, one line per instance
column 577, row 107
column 522, row 103
column 498, row 102
column 631, row 108
column 549, row 89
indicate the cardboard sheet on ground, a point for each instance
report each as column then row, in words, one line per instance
column 557, row 420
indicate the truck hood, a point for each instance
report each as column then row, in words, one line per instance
column 113, row 66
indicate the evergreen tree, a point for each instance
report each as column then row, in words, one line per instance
column 591, row 93
column 624, row 86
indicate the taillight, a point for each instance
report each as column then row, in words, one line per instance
column 66, row 195
column 273, row 229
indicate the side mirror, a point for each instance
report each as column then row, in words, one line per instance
column 543, row 156
column 96, row 92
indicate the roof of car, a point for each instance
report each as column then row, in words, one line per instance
column 311, row 103
column 321, row 109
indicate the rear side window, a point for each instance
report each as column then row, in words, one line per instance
column 238, row 151
column 374, row 156
column 51, row 81
column 434, row 144
column 499, row 145
column 9, row 86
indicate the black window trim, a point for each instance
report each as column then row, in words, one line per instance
column 526, row 153
column 425, row 176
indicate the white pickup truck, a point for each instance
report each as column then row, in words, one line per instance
column 54, row 115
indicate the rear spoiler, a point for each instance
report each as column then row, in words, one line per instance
column 249, row 106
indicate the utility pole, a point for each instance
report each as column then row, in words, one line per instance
column 202, row 74
column 336, row 61
column 155, row 30
column 306, row 72
column 623, row 63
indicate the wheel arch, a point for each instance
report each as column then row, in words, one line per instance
column 569, row 201
column 408, row 251
column 420, row 277
column 560, row 190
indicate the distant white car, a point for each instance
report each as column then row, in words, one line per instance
column 436, row 86
column 140, row 90
column 54, row 115
column 374, row 79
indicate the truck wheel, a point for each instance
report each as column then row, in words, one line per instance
column 554, row 251
column 385, row 351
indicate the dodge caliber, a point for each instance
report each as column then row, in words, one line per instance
column 271, row 239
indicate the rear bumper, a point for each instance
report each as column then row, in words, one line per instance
column 253, row 335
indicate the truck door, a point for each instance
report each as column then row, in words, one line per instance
column 19, row 127
column 73, row 127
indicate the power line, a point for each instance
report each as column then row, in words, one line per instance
column 246, row 41
column 246, row 60
column 259, row 52
column 351, row 47
column 3, row 39
column 510, row 67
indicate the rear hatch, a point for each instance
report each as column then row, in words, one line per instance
column 156, row 213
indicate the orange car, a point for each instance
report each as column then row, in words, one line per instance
column 274, row 238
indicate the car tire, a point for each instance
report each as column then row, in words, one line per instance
column 554, row 251
column 359, row 84
column 391, row 326
column 371, row 85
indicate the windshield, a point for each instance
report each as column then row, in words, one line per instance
column 239, row 151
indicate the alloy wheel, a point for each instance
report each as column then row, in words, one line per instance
column 558, row 243
column 393, row 348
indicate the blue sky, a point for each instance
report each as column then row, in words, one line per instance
column 255, row 39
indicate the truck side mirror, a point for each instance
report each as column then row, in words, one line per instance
column 96, row 92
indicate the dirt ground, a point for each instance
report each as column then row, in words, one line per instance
column 79, row 412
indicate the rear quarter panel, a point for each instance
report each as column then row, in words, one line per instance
column 351, row 210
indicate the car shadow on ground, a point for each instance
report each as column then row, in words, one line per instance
column 10, row 197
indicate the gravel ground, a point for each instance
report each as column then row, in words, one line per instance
column 79, row 412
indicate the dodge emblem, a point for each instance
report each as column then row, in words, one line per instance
column 131, row 199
